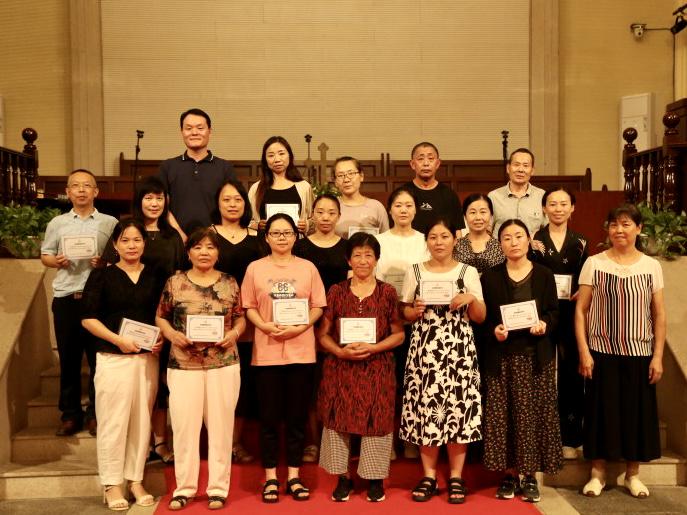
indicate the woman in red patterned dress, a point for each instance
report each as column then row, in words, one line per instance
column 359, row 328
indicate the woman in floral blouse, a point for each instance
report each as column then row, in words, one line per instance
column 202, row 375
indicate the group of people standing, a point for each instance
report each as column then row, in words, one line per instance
column 513, row 338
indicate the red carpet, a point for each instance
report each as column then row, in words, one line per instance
column 246, row 480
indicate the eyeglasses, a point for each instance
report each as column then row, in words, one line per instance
column 78, row 185
column 279, row 234
column 346, row 175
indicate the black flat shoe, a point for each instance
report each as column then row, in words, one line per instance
column 296, row 489
column 270, row 496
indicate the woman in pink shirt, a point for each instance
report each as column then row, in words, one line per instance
column 274, row 290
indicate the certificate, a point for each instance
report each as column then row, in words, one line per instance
column 205, row 328
column 290, row 311
column 289, row 209
column 144, row 335
column 80, row 246
column 352, row 330
column 395, row 279
column 356, row 228
column 563, row 285
column 437, row 292
column 519, row 315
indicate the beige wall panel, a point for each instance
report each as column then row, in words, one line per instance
column 600, row 62
column 35, row 81
column 364, row 77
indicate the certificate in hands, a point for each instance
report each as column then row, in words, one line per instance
column 437, row 292
column 79, row 246
column 519, row 315
column 563, row 285
column 290, row 311
column 205, row 328
column 144, row 335
column 354, row 330
column 356, row 228
column 289, row 209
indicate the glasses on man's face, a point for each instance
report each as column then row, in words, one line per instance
column 79, row 185
column 280, row 234
column 345, row 175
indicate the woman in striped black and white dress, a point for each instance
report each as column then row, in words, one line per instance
column 620, row 325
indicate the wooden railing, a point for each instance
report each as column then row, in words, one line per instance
column 657, row 176
column 19, row 171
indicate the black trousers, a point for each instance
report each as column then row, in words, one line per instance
column 284, row 394
column 570, row 383
column 72, row 341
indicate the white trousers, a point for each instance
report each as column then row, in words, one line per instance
column 196, row 396
column 125, row 388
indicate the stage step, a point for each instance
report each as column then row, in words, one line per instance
column 67, row 477
column 35, row 444
column 50, row 381
column 43, row 411
column 669, row 470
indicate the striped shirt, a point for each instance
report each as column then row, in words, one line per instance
column 619, row 319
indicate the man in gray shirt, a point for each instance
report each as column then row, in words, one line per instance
column 86, row 223
column 519, row 199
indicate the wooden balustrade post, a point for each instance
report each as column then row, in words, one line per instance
column 630, row 190
column 29, row 135
column 644, row 173
column 670, row 175
column 656, row 181
column 14, row 178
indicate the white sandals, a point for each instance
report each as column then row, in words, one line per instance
column 636, row 487
column 594, row 487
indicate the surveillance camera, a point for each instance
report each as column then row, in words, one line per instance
column 638, row 29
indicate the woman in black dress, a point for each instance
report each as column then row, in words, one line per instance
column 126, row 375
column 164, row 250
column 521, row 425
column 327, row 251
column 238, row 247
column 564, row 252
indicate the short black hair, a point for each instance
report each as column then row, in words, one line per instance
column 280, row 216
column 474, row 197
column 247, row 213
column 632, row 212
column 343, row 159
column 424, row 144
column 197, row 112
column 362, row 239
column 554, row 189
column 521, row 150
column 441, row 220
column 513, row 221
column 392, row 198
column 124, row 224
column 199, row 235
column 83, row 170
column 327, row 196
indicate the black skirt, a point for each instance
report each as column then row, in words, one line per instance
column 621, row 417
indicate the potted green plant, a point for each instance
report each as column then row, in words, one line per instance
column 664, row 232
column 22, row 228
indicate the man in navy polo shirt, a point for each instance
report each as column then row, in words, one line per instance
column 193, row 178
